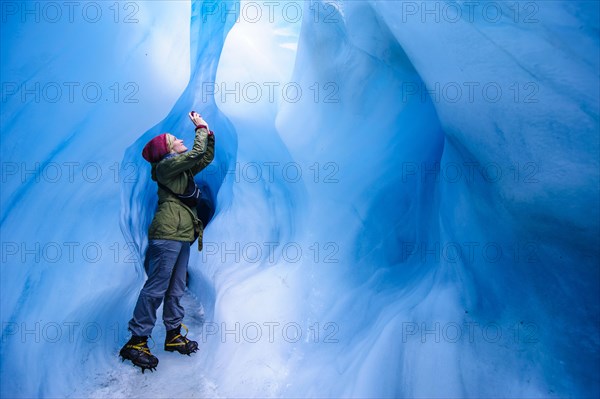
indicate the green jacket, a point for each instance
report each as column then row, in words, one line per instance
column 173, row 219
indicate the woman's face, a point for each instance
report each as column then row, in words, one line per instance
column 178, row 146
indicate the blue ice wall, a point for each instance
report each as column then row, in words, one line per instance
column 422, row 221
column 78, row 88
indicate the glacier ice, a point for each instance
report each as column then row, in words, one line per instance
column 407, row 196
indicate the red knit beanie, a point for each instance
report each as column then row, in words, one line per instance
column 156, row 148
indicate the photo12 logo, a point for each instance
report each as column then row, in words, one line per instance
column 269, row 252
column 271, row 331
column 68, row 252
column 53, row 12
column 70, row 92
column 71, row 172
column 471, row 332
column 270, row 11
column 488, row 12
column 270, row 92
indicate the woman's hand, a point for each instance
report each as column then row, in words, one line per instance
column 197, row 120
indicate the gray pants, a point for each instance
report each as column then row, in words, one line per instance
column 166, row 265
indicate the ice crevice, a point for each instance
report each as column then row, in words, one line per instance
column 400, row 279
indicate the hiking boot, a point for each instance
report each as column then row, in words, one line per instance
column 136, row 350
column 174, row 341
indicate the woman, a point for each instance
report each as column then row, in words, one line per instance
column 174, row 227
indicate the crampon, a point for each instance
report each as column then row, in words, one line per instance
column 136, row 350
column 174, row 341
